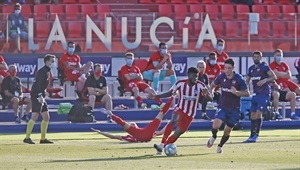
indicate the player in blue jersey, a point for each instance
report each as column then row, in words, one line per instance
column 261, row 75
column 233, row 87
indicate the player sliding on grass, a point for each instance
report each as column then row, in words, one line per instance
column 136, row 134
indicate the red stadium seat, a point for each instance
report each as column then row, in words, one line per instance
column 84, row 1
column 165, row 10
column 264, row 29
column 26, row 11
column 278, row 29
column 69, row 1
column 273, row 12
column 245, row 28
column 119, row 29
column 40, row 12
column 192, row 1
column 213, row 11
column 208, row 2
column 218, row 27
column 57, row 9
column 141, row 63
column 196, row 9
column 288, row 12
column 261, row 9
column 242, row 12
column 181, row 25
column 180, row 11
column 227, row 12
column 232, row 29
column 88, row 9
column 103, row 10
column 72, row 12
column 146, row 1
column 224, row 1
column 42, row 29
column 197, row 28
column 74, row 29
column 176, row 2
column 284, row 1
column 6, row 10
column 292, row 28
column 268, row 1
column 161, row 2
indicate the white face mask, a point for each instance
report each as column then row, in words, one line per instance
column 17, row 11
column 71, row 50
column 212, row 62
column 129, row 61
column 53, row 65
column 278, row 58
column 220, row 47
column 163, row 51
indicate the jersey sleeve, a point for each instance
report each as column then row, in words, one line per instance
column 104, row 82
column 78, row 58
column 138, row 70
column 249, row 72
column 175, row 87
column 217, row 81
column 266, row 67
column 272, row 65
column 286, row 66
column 242, row 83
column 89, row 82
column 123, row 71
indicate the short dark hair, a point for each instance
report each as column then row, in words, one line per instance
column 257, row 52
column 212, row 53
column 230, row 61
column 71, row 42
column 48, row 57
column 221, row 40
column 97, row 65
column 278, row 50
column 161, row 44
column 193, row 70
column 17, row 5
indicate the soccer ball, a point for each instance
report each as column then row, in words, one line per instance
column 170, row 149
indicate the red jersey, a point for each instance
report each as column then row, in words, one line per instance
column 221, row 58
column 1, row 61
column 73, row 61
column 129, row 138
column 155, row 57
column 297, row 63
column 282, row 67
column 126, row 70
column 188, row 96
column 212, row 71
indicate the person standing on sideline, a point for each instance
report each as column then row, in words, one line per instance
column 221, row 54
column 261, row 75
column 39, row 104
column 233, row 87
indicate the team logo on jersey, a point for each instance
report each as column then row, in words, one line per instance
column 224, row 80
column 258, row 69
column 233, row 82
column 196, row 92
column 100, row 84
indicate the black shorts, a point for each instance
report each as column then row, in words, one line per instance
column 282, row 96
column 38, row 107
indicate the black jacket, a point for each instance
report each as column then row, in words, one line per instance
column 41, row 82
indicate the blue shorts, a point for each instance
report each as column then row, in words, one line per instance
column 14, row 34
column 230, row 117
column 259, row 102
column 148, row 75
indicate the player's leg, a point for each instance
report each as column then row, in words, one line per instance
column 294, row 87
column 169, row 126
column 232, row 118
column 291, row 96
column 44, row 124
column 156, row 74
column 253, row 109
column 136, row 92
column 36, row 109
column 15, row 106
column 275, row 102
column 217, row 122
column 203, row 108
column 27, row 101
column 147, row 89
column 106, row 99
column 117, row 119
column 170, row 73
column 91, row 103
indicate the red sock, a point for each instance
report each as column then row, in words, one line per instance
column 158, row 100
column 118, row 120
column 167, row 132
column 139, row 100
column 166, row 107
column 171, row 139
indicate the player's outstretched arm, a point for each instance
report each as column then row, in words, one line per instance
column 106, row 134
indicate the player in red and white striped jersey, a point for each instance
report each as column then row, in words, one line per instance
column 190, row 90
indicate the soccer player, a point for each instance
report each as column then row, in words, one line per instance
column 221, row 54
column 261, row 75
column 136, row 134
column 190, row 90
column 154, row 70
column 39, row 104
column 233, row 87
column 283, row 73
column 133, row 80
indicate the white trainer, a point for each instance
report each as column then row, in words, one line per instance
column 210, row 142
column 219, row 149
column 107, row 112
column 159, row 148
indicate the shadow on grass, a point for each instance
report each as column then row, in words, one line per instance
column 149, row 156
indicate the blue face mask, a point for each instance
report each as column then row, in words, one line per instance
column 129, row 62
column 278, row 58
column 71, row 50
column 17, row 11
column 212, row 62
column 220, row 47
column 163, row 51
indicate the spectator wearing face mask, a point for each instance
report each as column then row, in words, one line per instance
column 213, row 69
column 221, row 54
column 12, row 92
column 70, row 64
column 283, row 73
column 133, row 80
column 17, row 26
column 155, row 71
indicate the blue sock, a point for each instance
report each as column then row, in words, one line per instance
column 155, row 82
column 173, row 79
